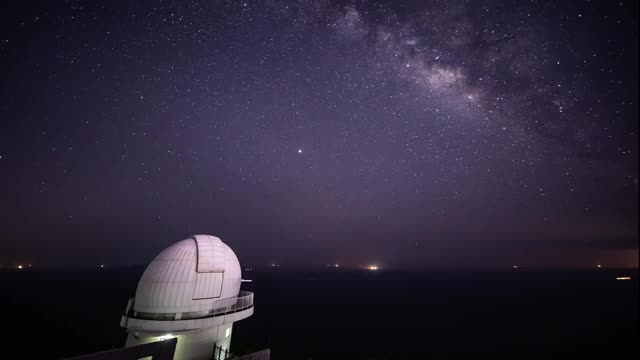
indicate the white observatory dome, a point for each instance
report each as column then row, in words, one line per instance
column 187, row 278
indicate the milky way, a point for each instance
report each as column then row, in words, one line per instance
column 434, row 133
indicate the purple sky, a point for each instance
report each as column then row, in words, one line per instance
column 409, row 134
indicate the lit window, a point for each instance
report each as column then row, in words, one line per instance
column 227, row 333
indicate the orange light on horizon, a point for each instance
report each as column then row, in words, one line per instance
column 623, row 278
column 372, row 267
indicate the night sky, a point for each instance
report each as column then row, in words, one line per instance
column 400, row 133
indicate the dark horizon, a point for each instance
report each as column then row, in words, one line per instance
column 502, row 315
column 345, row 267
column 416, row 134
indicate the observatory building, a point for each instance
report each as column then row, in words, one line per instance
column 190, row 292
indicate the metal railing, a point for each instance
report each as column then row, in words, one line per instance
column 219, row 353
column 220, row 307
column 226, row 306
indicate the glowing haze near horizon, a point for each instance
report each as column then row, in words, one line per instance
column 403, row 134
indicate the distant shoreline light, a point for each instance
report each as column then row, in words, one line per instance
column 623, row 278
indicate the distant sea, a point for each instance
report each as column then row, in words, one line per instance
column 351, row 314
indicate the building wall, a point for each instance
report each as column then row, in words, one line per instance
column 196, row 345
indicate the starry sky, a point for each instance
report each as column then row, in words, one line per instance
column 400, row 133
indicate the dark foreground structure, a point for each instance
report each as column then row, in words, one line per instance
column 162, row 350
column 158, row 350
